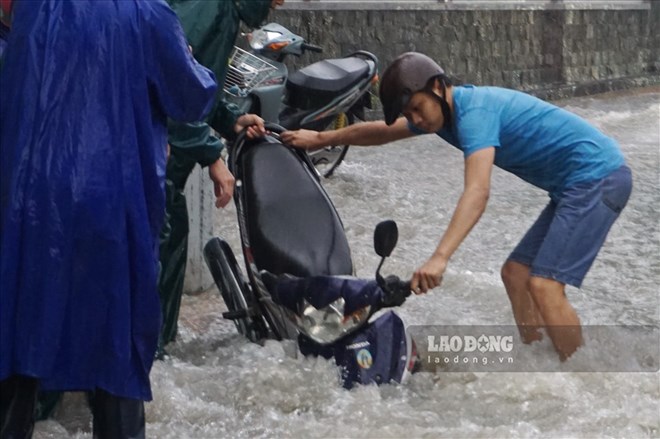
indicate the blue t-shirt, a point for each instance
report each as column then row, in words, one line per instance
column 541, row 143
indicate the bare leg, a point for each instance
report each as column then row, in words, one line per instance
column 562, row 322
column 528, row 318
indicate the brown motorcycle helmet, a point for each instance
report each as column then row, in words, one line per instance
column 406, row 75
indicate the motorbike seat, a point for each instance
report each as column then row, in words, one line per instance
column 292, row 225
column 324, row 80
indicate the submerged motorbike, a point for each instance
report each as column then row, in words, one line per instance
column 299, row 282
column 331, row 93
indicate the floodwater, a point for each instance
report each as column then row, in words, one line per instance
column 215, row 384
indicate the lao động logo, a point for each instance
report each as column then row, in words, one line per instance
column 470, row 352
column 499, row 348
column 469, row 343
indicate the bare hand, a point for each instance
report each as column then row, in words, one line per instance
column 429, row 275
column 254, row 125
column 223, row 183
column 303, row 139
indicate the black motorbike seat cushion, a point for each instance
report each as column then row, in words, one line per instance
column 330, row 75
column 292, row 225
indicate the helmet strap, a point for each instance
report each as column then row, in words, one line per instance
column 446, row 111
column 442, row 100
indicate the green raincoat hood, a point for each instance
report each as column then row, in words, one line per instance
column 211, row 28
column 253, row 12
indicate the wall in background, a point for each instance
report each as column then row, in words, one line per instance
column 553, row 49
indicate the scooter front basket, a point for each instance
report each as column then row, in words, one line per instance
column 246, row 71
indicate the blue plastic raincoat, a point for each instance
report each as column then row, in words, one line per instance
column 86, row 89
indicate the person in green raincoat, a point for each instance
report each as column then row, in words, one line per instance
column 211, row 27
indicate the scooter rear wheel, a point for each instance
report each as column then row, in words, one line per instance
column 242, row 307
column 327, row 159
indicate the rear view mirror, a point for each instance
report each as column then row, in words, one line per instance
column 385, row 237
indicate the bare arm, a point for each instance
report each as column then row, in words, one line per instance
column 470, row 207
column 362, row 134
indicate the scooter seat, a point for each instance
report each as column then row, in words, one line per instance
column 292, row 225
column 322, row 81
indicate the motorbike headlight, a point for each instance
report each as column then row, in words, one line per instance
column 260, row 38
column 329, row 324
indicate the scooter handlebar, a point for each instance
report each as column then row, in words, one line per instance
column 395, row 290
column 311, row 48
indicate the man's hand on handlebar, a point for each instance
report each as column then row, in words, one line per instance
column 254, row 125
column 429, row 275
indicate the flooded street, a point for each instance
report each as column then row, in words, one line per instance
column 215, row 384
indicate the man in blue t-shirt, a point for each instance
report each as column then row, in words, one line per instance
column 583, row 171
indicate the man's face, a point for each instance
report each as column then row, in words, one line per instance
column 424, row 112
column 276, row 3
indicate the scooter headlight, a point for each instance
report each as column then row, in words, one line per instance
column 260, row 38
column 329, row 324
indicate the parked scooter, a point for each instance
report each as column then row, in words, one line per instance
column 330, row 93
column 299, row 282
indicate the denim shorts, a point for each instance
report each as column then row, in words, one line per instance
column 565, row 239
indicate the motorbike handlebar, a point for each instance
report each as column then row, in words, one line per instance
column 311, row 47
column 395, row 290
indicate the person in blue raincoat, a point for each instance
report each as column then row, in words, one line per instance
column 87, row 88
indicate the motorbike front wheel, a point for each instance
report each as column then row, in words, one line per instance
column 327, row 159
